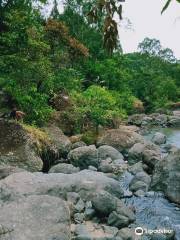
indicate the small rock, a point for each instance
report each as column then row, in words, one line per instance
column 79, row 217
column 139, row 193
column 79, row 207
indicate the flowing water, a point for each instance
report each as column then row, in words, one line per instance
column 154, row 211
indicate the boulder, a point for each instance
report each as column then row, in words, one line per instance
column 18, row 148
column 118, row 220
column 6, row 170
column 94, row 231
column 174, row 121
column 78, row 144
column 64, row 168
column 135, row 168
column 166, row 176
column 147, row 152
column 136, row 153
column 140, row 183
column 104, row 203
column 58, row 139
column 136, row 119
column 109, row 152
column 159, row 138
column 86, row 183
column 35, row 217
column 121, row 139
column 84, row 156
column 122, row 216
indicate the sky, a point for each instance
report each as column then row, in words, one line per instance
column 147, row 21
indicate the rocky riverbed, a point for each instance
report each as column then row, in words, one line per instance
column 129, row 180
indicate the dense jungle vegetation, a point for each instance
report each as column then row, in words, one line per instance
column 68, row 68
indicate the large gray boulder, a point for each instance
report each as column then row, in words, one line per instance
column 35, row 217
column 18, row 148
column 86, row 183
column 166, row 177
column 84, row 156
column 105, row 152
column 121, row 139
column 159, row 138
column 64, row 168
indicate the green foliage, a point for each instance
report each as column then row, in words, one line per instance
column 41, row 58
column 97, row 106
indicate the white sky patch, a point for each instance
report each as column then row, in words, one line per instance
column 147, row 21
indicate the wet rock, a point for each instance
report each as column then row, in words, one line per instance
column 159, row 138
column 166, row 176
column 121, row 139
column 84, row 156
column 140, row 182
column 36, row 217
column 64, row 168
column 105, row 152
column 140, row 193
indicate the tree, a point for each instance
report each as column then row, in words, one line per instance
column 153, row 48
column 101, row 14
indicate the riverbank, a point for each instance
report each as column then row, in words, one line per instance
column 103, row 191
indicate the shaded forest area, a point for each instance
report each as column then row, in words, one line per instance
column 66, row 69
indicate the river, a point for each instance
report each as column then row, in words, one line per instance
column 154, row 211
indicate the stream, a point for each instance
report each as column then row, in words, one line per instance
column 154, row 211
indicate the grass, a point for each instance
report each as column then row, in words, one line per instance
column 40, row 137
